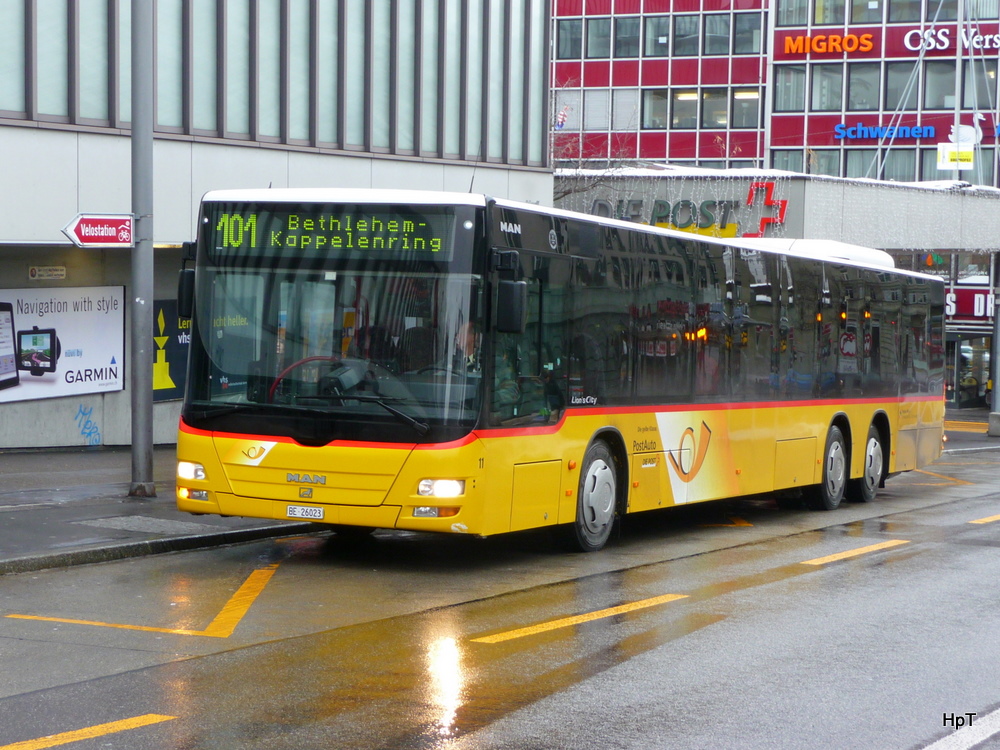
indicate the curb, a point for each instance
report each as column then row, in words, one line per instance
column 148, row 547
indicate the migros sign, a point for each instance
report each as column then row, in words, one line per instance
column 804, row 43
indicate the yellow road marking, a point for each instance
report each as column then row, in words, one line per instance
column 988, row 519
column 54, row 740
column 942, row 476
column 855, row 552
column 966, row 426
column 566, row 622
column 221, row 627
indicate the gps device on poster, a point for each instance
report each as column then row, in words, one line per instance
column 36, row 350
column 9, row 375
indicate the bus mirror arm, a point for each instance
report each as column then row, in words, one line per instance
column 512, row 306
column 185, row 293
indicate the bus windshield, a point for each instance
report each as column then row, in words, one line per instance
column 360, row 343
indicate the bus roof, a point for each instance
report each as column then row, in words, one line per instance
column 344, row 195
column 817, row 249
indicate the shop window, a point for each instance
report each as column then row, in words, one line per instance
column 982, row 10
column 899, row 165
column 862, row 86
column 939, row 84
column 793, row 12
column 685, row 36
column 716, row 34
column 901, row 85
column 829, row 11
column 746, row 108
column 827, row 88
column 825, row 162
column 599, row 37
column 657, row 41
column 627, row 37
column 714, row 108
column 789, row 88
column 787, row 159
column 684, row 114
column 861, row 162
column 654, row 109
column 942, row 10
column 569, row 39
column 746, row 34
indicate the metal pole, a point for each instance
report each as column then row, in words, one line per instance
column 956, row 126
column 141, row 298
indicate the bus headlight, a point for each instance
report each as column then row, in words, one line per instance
column 441, row 487
column 190, row 470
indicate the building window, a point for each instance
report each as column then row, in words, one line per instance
column 746, row 108
column 746, row 37
column 982, row 10
column 866, row 11
column 861, row 162
column 900, row 164
column 654, row 109
column 928, row 164
column 716, row 34
column 827, row 87
column 599, row 37
column 684, row 114
column 789, row 160
column 979, row 90
column 597, row 109
column 825, row 162
column 789, row 88
column 829, row 11
column 625, row 109
column 904, row 10
column 569, row 39
column 939, row 84
column 862, row 86
column 685, row 36
column 942, row 10
column 12, row 57
column 627, row 37
column 657, row 36
column 793, row 12
column 901, row 85
column 714, row 108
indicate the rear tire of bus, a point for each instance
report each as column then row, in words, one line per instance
column 596, row 500
column 863, row 489
column 828, row 494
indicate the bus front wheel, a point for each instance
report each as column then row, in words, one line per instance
column 596, row 500
column 828, row 494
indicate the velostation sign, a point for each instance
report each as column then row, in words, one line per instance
column 101, row 230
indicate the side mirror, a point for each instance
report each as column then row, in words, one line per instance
column 185, row 293
column 512, row 306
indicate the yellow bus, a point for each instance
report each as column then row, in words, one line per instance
column 448, row 362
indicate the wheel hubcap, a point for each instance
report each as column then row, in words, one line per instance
column 598, row 501
column 873, row 464
column 836, row 470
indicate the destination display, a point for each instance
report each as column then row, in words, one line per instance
column 329, row 231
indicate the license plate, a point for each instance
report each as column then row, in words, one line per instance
column 302, row 511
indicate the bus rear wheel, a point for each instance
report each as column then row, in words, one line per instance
column 828, row 494
column 596, row 500
column 863, row 489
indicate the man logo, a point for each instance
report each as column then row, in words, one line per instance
column 692, row 453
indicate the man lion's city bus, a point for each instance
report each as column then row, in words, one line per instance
column 449, row 362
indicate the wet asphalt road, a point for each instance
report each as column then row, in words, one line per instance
column 725, row 625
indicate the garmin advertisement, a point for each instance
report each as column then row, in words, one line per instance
column 61, row 342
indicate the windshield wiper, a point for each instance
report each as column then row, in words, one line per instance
column 422, row 428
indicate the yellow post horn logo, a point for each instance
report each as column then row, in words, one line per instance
column 698, row 448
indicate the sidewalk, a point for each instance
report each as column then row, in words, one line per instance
column 71, row 507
